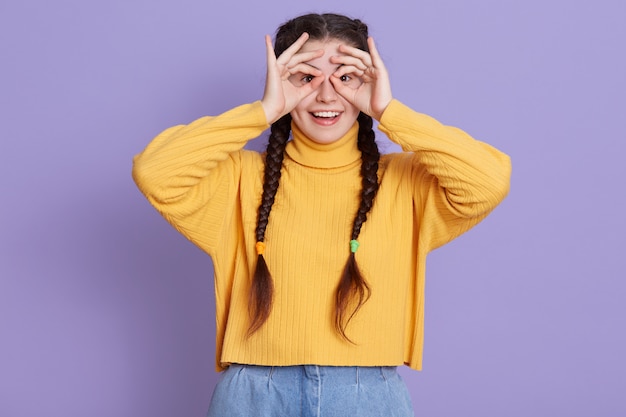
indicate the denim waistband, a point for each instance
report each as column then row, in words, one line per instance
column 339, row 374
column 310, row 391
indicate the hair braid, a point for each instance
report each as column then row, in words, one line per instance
column 261, row 292
column 352, row 291
column 353, row 288
column 369, row 171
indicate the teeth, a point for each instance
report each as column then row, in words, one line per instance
column 326, row 114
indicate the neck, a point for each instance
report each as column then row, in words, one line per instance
column 339, row 153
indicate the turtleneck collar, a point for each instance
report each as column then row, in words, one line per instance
column 333, row 155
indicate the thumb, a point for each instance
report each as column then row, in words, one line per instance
column 344, row 91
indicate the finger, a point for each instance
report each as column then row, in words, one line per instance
column 304, row 69
column 343, row 90
column 304, row 57
column 269, row 50
column 301, row 71
column 349, row 69
column 293, row 48
column 356, row 52
column 351, row 81
column 348, row 60
column 312, row 86
column 376, row 59
column 298, row 92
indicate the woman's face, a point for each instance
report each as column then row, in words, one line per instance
column 324, row 116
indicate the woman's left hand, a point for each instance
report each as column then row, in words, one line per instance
column 373, row 95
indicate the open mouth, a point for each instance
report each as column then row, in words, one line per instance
column 326, row 114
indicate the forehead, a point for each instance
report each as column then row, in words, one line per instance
column 330, row 46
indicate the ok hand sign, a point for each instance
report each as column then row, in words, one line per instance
column 281, row 95
column 373, row 95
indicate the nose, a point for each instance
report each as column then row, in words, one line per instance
column 326, row 92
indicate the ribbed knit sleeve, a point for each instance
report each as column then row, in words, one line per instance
column 458, row 180
column 190, row 173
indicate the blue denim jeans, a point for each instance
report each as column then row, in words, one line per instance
column 310, row 391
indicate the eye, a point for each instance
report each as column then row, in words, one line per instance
column 299, row 79
column 351, row 81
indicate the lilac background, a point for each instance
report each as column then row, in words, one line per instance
column 106, row 311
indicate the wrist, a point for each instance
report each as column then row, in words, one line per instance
column 270, row 115
column 378, row 113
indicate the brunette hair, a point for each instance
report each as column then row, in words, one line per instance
column 352, row 291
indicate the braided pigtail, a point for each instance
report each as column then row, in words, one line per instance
column 353, row 291
column 262, row 289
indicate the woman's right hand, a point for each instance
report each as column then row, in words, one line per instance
column 281, row 94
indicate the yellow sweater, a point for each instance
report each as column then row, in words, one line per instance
column 202, row 181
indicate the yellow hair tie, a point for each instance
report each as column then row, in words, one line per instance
column 260, row 248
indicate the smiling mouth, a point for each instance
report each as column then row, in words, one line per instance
column 326, row 114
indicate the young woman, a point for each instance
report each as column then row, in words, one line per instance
column 319, row 244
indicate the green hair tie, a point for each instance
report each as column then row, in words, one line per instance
column 354, row 245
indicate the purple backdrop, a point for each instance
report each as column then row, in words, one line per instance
column 106, row 311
